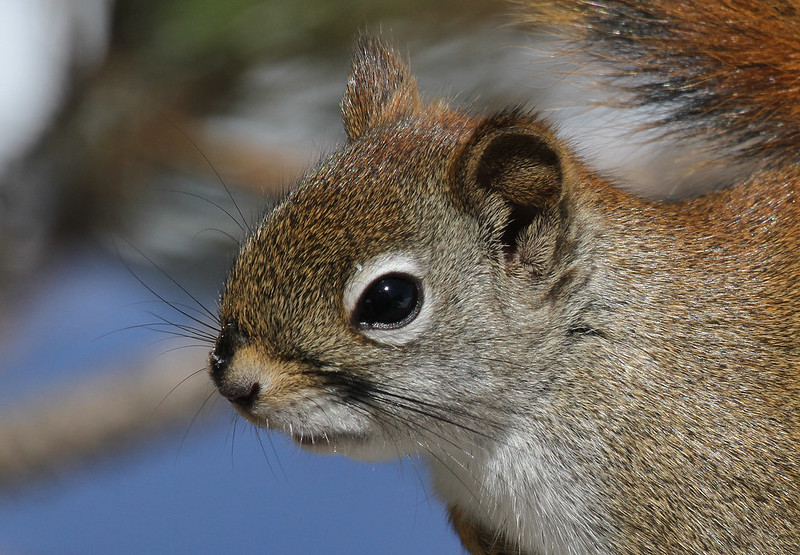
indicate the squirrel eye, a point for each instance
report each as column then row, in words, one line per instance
column 389, row 302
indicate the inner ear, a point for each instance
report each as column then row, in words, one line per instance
column 522, row 166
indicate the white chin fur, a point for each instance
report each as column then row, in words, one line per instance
column 357, row 449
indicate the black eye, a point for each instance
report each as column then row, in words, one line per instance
column 389, row 302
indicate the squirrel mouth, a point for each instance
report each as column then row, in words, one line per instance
column 324, row 442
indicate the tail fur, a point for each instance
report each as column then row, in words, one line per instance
column 728, row 68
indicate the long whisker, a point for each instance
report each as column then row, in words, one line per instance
column 411, row 402
column 177, row 385
column 219, row 177
column 166, row 329
column 233, row 435
column 414, row 460
column 274, row 452
column 364, row 395
column 236, row 241
column 201, row 313
column 194, row 419
column 181, row 347
column 191, row 331
column 178, row 285
column 221, row 208
column 434, row 455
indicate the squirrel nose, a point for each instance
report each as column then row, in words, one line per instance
column 242, row 394
column 237, row 391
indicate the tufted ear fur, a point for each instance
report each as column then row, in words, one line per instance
column 512, row 159
column 380, row 88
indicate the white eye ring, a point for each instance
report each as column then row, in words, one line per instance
column 365, row 274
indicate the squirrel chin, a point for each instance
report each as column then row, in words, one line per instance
column 353, row 446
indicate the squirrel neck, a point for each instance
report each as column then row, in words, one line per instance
column 643, row 289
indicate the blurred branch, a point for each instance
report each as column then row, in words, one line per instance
column 64, row 430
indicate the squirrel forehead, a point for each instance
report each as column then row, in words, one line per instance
column 365, row 200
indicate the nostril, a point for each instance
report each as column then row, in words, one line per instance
column 243, row 395
column 218, row 363
column 227, row 342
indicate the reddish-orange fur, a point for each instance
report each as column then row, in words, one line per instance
column 601, row 373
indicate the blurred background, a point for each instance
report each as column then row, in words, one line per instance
column 138, row 141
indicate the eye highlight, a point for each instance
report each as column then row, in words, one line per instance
column 391, row 301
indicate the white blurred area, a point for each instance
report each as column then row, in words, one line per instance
column 42, row 42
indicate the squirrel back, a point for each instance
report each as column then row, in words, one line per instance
column 584, row 371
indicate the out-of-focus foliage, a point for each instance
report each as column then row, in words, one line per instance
column 169, row 64
column 182, row 33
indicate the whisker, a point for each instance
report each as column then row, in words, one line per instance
column 177, row 385
column 150, row 327
column 173, row 334
column 416, row 425
column 191, row 331
column 374, row 398
column 438, row 435
column 443, row 418
column 181, row 347
column 233, row 436
column 411, row 461
column 222, row 181
column 236, row 241
column 274, row 452
column 178, row 285
column 221, row 208
column 194, row 419
column 200, row 313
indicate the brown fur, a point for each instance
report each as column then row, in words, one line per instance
column 653, row 348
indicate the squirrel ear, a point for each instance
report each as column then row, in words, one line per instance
column 512, row 157
column 380, row 88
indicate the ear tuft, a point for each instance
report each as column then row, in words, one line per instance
column 380, row 88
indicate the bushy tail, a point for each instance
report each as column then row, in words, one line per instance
column 726, row 67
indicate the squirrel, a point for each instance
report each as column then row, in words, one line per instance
column 583, row 370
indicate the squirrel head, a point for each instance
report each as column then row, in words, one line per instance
column 368, row 311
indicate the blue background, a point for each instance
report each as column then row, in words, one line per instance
column 215, row 486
